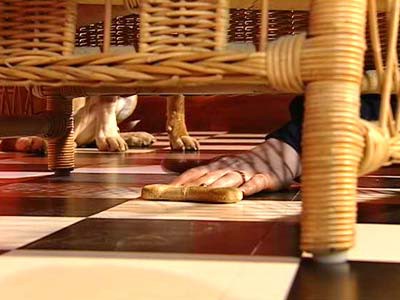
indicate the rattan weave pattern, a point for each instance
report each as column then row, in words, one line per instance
column 244, row 26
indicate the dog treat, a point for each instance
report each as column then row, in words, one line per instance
column 191, row 193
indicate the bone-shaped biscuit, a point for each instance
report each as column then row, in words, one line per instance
column 191, row 193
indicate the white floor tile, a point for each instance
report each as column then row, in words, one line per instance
column 45, row 275
column 18, row 231
column 242, row 211
column 376, row 242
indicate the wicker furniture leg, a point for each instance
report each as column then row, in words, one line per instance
column 332, row 142
column 61, row 149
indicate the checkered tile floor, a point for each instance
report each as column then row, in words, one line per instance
column 89, row 236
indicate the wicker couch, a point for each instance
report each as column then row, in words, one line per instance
column 314, row 47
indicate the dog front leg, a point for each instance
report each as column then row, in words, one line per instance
column 107, row 132
column 97, row 121
column 179, row 138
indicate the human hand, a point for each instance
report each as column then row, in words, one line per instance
column 270, row 166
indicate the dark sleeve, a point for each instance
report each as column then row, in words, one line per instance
column 291, row 132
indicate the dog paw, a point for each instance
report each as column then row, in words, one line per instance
column 30, row 144
column 185, row 143
column 111, row 144
column 138, row 139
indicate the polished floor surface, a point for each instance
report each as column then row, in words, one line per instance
column 89, row 236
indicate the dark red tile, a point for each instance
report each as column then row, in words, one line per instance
column 133, row 180
column 282, row 239
column 69, row 190
column 379, row 182
column 86, row 159
column 379, row 211
column 390, row 170
column 129, row 162
column 6, row 155
column 6, row 181
column 158, row 236
column 354, row 280
column 55, row 207
column 28, row 167
column 13, row 160
column 166, row 153
column 285, row 195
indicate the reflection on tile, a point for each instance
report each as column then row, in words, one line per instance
column 194, row 133
column 158, row 236
column 174, row 155
column 77, row 190
column 12, row 162
column 166, row 138
column 62, row 207
column 107, row 180
column 150, row 169
column 18, row 175
column 16, row 155
column 243, row 211
column 366, row 194
column 18, row 231
column 101, row 276
column 243, row 135
column 232, row 141
column 226, row 147
column 351, row 281
column 160, row 143
column 132, row 150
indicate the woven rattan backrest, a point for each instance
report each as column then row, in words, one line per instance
column 37, row 27
column 244, row 26
column 183, row 25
